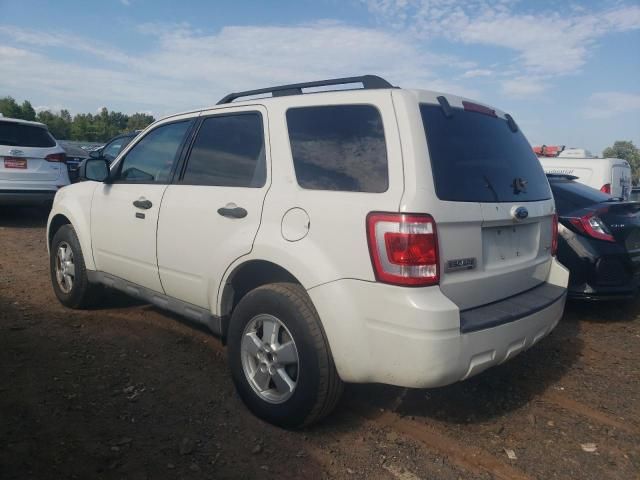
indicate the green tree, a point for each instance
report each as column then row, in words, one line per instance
column 27, row 112
column 83, row 126
column 628, row 151
column 9, row 107
column 139, row 121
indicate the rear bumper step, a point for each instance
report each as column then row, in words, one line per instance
column 510, row 309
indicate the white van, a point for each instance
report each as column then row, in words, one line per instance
column 609, row 175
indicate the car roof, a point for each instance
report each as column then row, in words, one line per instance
column 24, row 122
column 329, row 94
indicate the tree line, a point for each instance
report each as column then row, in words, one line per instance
column 84, row 127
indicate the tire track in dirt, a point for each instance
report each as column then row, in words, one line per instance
column 469, row 458
column 562, row 401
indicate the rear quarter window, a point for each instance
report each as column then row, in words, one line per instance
column 339, row 147
column 476, row 157
column 16, row 134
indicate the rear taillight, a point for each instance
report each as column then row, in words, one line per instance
column 592, row 226
column 56, row 157
column 606, row 188
column 403, row 248
column 554, row 235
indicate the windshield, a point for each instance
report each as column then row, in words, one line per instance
column 476, row 157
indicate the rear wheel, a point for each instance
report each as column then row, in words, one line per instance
column 68, row 271
column 279, row 357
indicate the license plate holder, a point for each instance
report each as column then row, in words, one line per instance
column 15, row 162
column 509, row 243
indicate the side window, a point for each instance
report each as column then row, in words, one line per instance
column 228, row 151
column 339, row 147
column 111, row 150
column 152, row 158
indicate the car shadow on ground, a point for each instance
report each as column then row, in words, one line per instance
column 23, row 217
column 604, row 311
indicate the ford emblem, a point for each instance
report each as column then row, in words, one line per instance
column 519, row 213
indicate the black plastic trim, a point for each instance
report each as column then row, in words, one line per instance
column 192, row 312
column 510, row 309
column 369, row 82
column 513, row 126
column 446, row 107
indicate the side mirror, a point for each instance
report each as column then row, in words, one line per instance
column 96, row 153
column 95, row 169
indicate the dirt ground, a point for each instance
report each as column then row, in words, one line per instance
column 131, row 392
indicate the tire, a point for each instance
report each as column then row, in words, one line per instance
column 78, row 293
column 317, row 384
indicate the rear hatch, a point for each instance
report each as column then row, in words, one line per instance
column 495, row 209
column 23, row 152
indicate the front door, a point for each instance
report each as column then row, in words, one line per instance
column 211, row 214
column 124, row 214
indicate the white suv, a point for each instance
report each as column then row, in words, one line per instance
column 368, row 235
column 32, row 163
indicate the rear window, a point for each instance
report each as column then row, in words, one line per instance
column 20, row 135
column 570, row 195
column 476, row 157
column 339, row 147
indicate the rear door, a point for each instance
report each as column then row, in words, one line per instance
column 23, row 152
column 494, row 209
column 211, row 214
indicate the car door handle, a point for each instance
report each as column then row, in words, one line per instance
column 232, row 211
column 143, row 203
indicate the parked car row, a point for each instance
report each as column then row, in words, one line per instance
column 377, row 234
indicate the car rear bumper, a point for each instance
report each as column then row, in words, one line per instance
column 26, row 197
column 415, row 337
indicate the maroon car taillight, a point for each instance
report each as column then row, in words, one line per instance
column 404, row 248
column 592, row 226
column 606, row 188
column 56, row 157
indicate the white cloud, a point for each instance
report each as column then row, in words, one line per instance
column 477, row 72
column 545, row 43
column 126, row 3
column 609, row 104
column 188, row 68
column 523, row 86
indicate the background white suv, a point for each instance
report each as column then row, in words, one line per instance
column 32, row 163
column 371, row 235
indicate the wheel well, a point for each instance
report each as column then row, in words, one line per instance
column 57, row 222
column 245, row 278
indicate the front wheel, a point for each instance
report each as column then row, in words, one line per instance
column 68, row 271
column 279, row 357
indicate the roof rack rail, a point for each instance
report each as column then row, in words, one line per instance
column 369, row 82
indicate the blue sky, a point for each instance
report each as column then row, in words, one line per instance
column 569, row 72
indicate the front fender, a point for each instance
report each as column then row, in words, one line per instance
column 74, row 203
